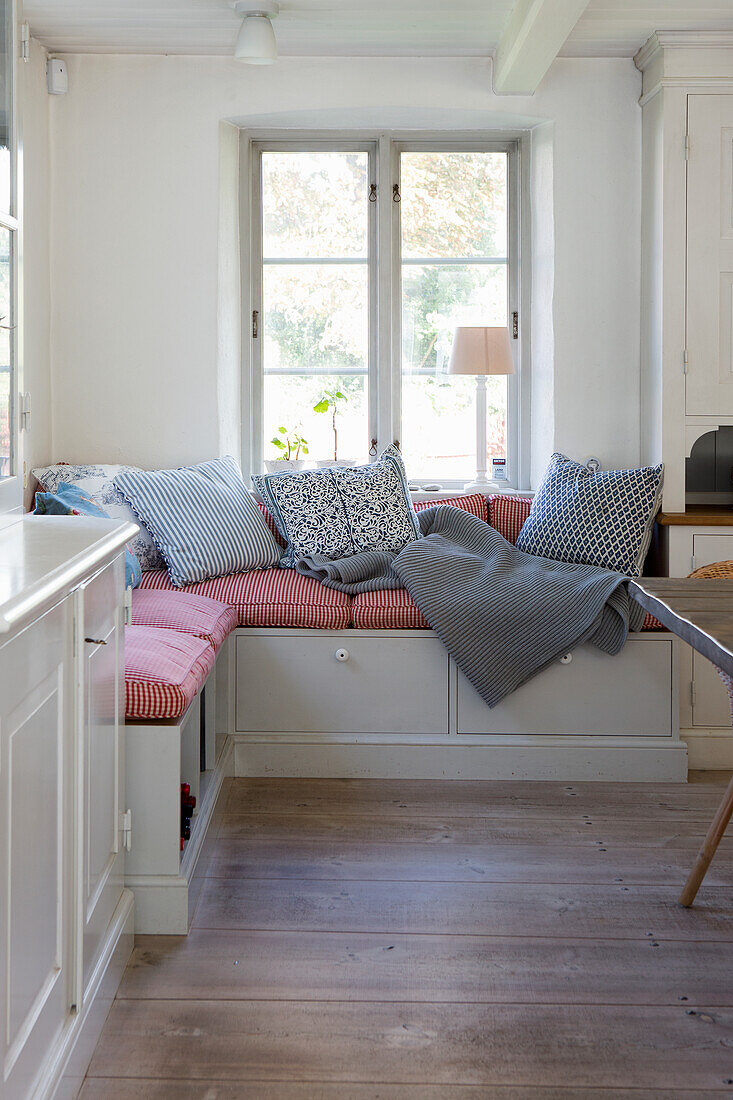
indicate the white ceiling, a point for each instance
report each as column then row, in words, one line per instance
column 353, row 27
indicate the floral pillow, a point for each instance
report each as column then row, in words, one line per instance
column 340, row 511
column 97, row 482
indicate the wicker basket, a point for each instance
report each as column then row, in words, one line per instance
column 719, row 570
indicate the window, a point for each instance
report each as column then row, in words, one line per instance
column 8, row 228
column 356, row 290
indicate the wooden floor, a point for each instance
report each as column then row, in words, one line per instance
column 355, row 940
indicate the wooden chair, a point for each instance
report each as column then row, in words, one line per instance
column 719, row 570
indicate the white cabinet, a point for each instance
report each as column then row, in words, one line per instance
column 63, row 908
column 629, row 695
column 709, row 380
column 355, row 682
column 100, row 756
column 36, row 850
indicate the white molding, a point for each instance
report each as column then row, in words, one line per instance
column 70, row 1058
column 631, row 760
column 709, row 749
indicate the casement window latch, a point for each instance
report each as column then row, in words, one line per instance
column 255, row 323
column 126, row 830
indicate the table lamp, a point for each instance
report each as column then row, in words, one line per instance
column 481, row 350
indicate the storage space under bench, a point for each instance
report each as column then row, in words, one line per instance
column 403, row 682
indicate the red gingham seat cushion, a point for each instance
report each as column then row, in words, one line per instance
column 164, row 671
column 389, row 609
column 269, row 597
column 475, row 504
column 187, row 612
column 507, row 513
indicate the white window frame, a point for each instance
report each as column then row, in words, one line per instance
column 11, row 486
column 385, row 300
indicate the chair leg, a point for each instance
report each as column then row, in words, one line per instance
column 707, row 851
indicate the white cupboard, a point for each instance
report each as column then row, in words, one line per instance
column 63, row 908
column 709, row 378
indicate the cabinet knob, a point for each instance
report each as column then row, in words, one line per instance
column 95, row 641
column 342, row 654
column 566, row 658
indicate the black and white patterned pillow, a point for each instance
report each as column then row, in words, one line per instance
column 593, row 517
column 340, row 511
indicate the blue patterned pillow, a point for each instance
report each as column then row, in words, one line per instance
column 602, row 517
column 70, row 500
column 342, row 510
column 202, row 518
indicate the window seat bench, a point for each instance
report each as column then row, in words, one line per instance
column 270, row 673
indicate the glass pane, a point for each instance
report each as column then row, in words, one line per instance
column 436, row 298
column 289, row 401
column 315, row 317
column 453, row 204
column 6, row 91
column 314, row 204
column 439, row 426
column 6, row 351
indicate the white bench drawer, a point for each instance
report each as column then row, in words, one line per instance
column 341, row 683
column 626, row 695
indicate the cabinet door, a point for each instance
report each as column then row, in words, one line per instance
column 101, row 758
column 36, row 846
column 709, row 382
column 711, row 706
column 336, row 683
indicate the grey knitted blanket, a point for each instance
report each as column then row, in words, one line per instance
column 502, row 615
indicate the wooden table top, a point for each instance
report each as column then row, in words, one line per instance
column 698, row 611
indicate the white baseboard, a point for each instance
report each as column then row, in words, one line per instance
column 709, row 749
column 552, row 758
column 67, row 1065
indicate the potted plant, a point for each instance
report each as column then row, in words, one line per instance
column 291, row 445
column 331, row 401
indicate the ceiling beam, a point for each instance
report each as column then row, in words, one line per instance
column 534, row 35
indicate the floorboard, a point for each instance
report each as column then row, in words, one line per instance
column 365, row 940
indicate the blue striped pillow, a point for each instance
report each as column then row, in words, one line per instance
column 203, row 520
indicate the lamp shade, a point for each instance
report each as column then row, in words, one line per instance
column 256, row 41
column 478, row 349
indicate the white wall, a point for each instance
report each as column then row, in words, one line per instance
column 36, row 272
column 136, row 203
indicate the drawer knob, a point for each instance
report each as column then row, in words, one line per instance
column 342, row 654
column 566, row 658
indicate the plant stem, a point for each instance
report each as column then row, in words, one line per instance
column 335, row 436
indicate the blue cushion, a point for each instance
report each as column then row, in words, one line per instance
column 203, row 520
column 70, row 500
column 341, row 511
column 593, row 517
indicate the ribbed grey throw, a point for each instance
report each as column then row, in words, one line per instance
column 502, row 615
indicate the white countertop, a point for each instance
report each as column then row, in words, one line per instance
column 41, row 556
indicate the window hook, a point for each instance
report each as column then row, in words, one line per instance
column 396, row 197
column 373, row 193
column 373, row 448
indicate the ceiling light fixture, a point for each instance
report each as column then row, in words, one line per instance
column 256, row 43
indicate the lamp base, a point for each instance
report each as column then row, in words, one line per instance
column 485, row 485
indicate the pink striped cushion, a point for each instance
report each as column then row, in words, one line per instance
column 390, row 609
column 475, row 504
column 269, row 597
column 187, row 612
column 164, row 671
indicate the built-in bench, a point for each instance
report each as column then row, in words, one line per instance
column 271, row 673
